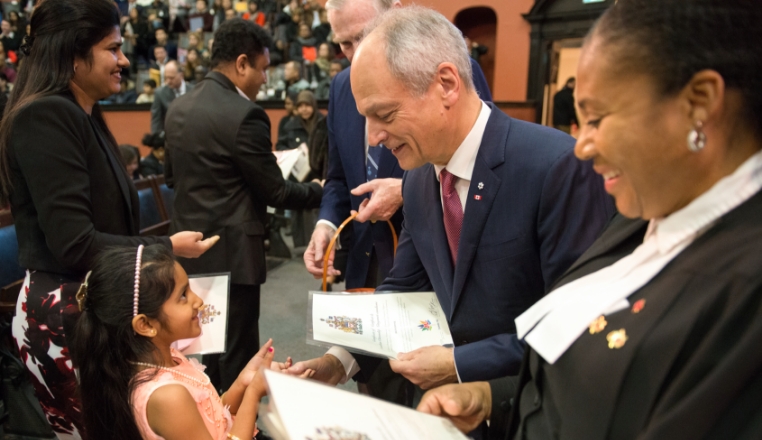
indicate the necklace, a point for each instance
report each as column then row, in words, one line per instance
column 204, row 382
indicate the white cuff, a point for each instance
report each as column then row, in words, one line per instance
column 347, row 361
column 454, row 363
column 332, row 226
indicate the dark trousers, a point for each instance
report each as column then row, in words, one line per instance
column 242, row 341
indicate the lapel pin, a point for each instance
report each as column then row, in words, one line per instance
column 480, row 185
column 617, row 338
column 638, row 306
column 477, row 197
column 598, row 325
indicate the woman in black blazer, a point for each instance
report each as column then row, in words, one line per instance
column 68, row 190
column 654, row 332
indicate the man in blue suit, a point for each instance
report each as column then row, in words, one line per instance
column 495, row 208
column 377, row 196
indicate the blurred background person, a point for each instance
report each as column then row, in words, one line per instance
column 201, row 12
column 149, row 87
column 321, row 68
column 131, row 160
column 303, row 47
column 324, row 86
column 564, row 113
column 192, row 61
column 153, row 163
column 174, row 86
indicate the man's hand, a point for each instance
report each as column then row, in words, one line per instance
column 466, row 405
column 313, row 256
column 327, row 368
column 191, row 244
column 385, row 200
column 427, row 367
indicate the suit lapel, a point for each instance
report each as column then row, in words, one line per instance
column 119, row 173
column 480, row 200
column 438, row 236
column 474, row 219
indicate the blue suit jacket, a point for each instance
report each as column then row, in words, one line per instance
column 539, row 209
column 346, row 171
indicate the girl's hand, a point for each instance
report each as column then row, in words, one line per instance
column 263, row 357
column 257, row 383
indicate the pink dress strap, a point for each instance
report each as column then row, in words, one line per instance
column 216, row 416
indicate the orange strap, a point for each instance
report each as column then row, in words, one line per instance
column 336, row 236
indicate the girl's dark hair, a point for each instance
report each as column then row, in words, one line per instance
column 672, row 40
column 105, row 346
column 60, row 31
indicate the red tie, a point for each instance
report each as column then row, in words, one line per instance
column 453, row 212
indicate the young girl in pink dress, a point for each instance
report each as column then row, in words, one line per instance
column 135, row 304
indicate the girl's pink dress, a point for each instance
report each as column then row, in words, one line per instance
column 216, row 416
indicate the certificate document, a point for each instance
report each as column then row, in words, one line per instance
column 381, row 325
column 306, row 410
column 213, row 317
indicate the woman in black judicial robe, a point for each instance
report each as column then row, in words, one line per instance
column 672, row 118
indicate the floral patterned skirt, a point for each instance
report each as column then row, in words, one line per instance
column 46, row 312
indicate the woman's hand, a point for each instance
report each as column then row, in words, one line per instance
column 191, row 244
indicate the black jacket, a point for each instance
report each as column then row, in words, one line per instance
column 219, row 160
column 691, row 367
column 71, row 196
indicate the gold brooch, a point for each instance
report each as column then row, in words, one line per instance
column 617, row 338
column 598, row 325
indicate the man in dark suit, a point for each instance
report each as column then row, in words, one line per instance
column 495, row 208
column 349, row 186
column 219, row 161
column 174, row 86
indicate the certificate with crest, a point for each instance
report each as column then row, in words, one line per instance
column 303, row 409
column 381, row 325
column 213, row 317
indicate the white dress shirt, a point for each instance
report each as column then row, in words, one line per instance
column 553, row 324
column 461, row 165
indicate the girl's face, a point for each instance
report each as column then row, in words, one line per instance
column 193, row 40
column 305, row 110
column 180, row 311
column 192, row 56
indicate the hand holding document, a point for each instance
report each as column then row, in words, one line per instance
column 213, row 317
column 302, row 409
column 381, row 325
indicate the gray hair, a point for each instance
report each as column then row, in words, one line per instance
column 379, row 5
column 417, row 41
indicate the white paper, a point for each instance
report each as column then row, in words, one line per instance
column 294, row 162
column 214, row 318
column 306, row 410
column 380, row 324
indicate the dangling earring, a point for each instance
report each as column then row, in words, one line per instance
column 696, row 137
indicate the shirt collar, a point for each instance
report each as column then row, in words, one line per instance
column 240, row 92
column 705, row 210
column 461, row 163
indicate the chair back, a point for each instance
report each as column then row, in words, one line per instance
column 167, row 195
column 10, row 271
column 150, row 213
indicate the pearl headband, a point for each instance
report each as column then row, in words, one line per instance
column 136, row 296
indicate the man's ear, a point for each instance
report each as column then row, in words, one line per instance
column 449, row 82
column 240, row 64
column 143, row 326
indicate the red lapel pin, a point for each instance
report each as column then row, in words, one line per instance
column 638, row 306
column 477, row 197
